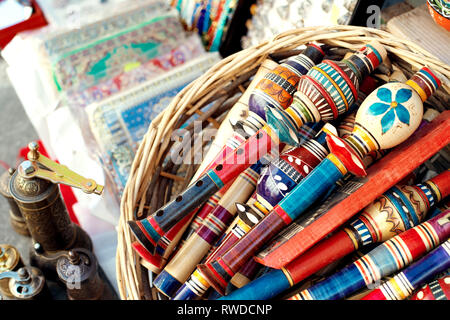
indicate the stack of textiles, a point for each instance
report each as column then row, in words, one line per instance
column 120, row 122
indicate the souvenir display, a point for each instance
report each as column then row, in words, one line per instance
column 347, row 187
column 245, row 149
column 248, row 152
column 345, row 156
column 271, row 186
column 195, row 219
column 356, row 194
column 199, row 243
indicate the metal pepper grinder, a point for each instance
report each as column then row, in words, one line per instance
column 10, row 260
column 27, row 283
column 16, row 219
column 34, row 188
column 78, row 270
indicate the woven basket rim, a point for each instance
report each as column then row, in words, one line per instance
column 150, row 152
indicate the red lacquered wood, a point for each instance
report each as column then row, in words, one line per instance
column 257, row 146
column 381, row 176
column 319, row 256
column 442, row 182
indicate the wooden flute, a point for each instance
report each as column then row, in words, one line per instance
column 348, row 72
column 278, row 179
column 374, row 130
column 402, row 285
column 384, row 260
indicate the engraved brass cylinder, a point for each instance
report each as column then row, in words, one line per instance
column 16, row 218
column 48, row 222
column 10, row 260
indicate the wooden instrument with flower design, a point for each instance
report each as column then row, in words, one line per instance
column 377, row 126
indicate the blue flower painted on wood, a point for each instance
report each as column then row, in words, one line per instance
column 391, row 109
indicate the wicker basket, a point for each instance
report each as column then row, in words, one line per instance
column 150, row 177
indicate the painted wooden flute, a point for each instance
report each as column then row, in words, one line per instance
column 402, row 285
column 276, row 180
column 387, row 117
column 384, row 260
column 358, row 192
column 438, row 289
column 199, row 243
column 325, row 103
column 300, row 65
column 397, row 210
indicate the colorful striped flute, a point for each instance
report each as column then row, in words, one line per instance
column 342, row 77
column 166, row 244
column 256, row 119
column 183, row 229
column 268, row 92
column 279, row 178
column 397, row 210
column 156, row 262
column 199, row 243
column 438, row 289
column 402, row 285
column 389, row 257
column 393, row 103
column 174, row 238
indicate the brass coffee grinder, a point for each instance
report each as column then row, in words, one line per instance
column 34, row 188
